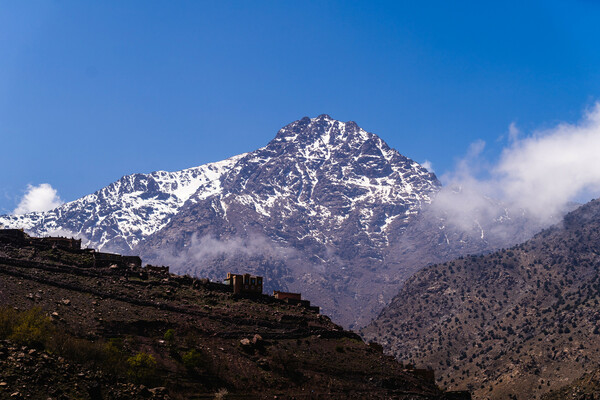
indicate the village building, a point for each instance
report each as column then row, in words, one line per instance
column 48, row 241
column 62, row 242
column 286, row 295
column 14, row 234
column 245, row 284
column 295, row 299
column 108, row 259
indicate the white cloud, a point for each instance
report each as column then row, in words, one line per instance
column 513, row 132
column 38, row 198
column 209, row 247
column 540, row 173
column 552, row 167
column 428, row 165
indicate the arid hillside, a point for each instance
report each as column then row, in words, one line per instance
column 512, row 324
column 585, row 388
column 72, row 329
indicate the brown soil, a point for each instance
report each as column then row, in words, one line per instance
column 205, row 341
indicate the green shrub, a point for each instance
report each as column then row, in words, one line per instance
column 107, row 356
column 78, row 350
column 169, row 336
column 32, row 328
column 193, row 359
column 8, row 319
column 114, row 359
column 142, row 367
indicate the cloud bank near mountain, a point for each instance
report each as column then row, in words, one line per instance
column 545, row 171
column 539, row 174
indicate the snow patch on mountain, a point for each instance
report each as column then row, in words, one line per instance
column 124, row 212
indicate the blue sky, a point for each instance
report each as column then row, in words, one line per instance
column 90, row 92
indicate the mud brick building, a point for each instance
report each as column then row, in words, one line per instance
column 245, row 284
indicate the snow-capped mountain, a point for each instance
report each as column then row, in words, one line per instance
column 331, row 174
column 118, row 216
column 312, row 211
column 325, row 208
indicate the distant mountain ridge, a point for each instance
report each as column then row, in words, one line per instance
column 325, row 208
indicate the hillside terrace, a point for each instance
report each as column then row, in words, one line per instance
column 130, row 267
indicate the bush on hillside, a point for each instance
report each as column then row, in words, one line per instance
column 30, row 328
column 142, row 367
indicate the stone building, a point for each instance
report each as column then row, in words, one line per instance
column 245, row 284
column 286, row 295
column 62, row 242
column 108, row 259
column 295, row 299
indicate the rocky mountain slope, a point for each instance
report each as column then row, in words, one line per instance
column 585, row 388
column 28, row 372
column 325, row 208
column 312, row 211
column 451, row 227
column 100, row 332
column 120, row 215
column 512, row 324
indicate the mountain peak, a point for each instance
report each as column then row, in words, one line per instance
column 322, row 199
column 322, row 130
column 326, row 118
column 323, row 116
